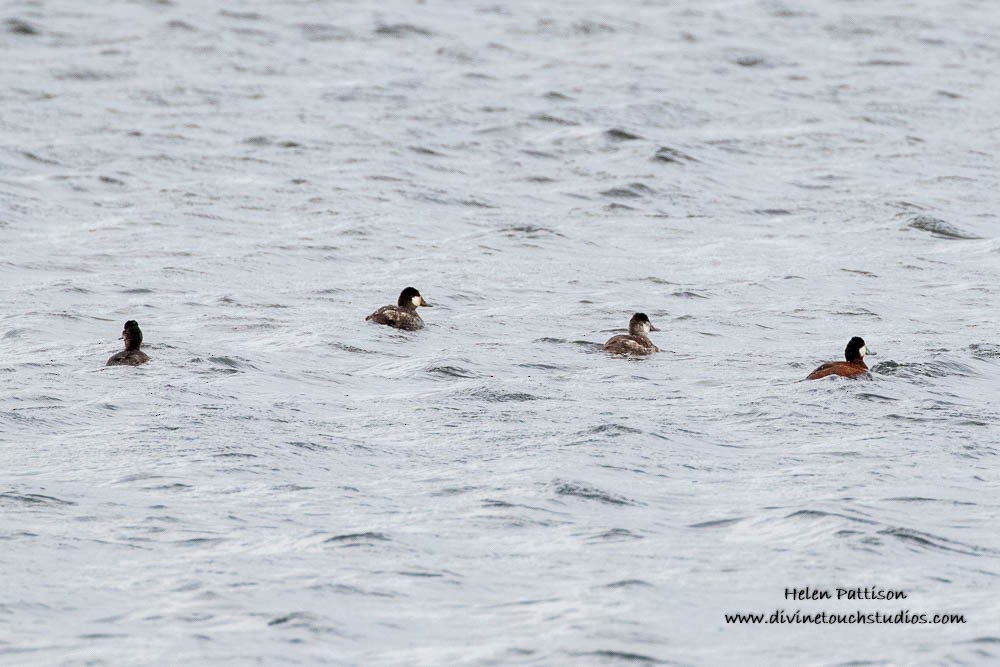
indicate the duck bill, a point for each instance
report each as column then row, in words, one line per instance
column 423, row 302
column 652, row 328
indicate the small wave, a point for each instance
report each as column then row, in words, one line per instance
column 310, row 446
column 632, row 190
column 628, row 583
column 18, row 26
column 752, row 61
column 240, row 16
column 224, row 364
column 563, row 341
column 919, row 499
column 549, row 118
column 261, row 140
column 402, row 30
column 453, row 491
column 225, row 361
column 589, row 493
column 423, row 150
column 356, row 538
column 351, row 348
column 885, row 62
column 612, row 430
column 587, row 27
column 819, row 514
column 34, row 499
column 939, row 228
column 928, row 541
column 176, row 486
column 177, row 24
column 82, row 74
column 452, row 371
column 617, row 134
column 985, row 350
column 323, row 32
column 494, row 396
column 717, row 523
column 927, row 369
column 528, row 231
column 864, row 396
column 867, row 274
column 301, row 617
column 616, row 535
column 200, row 541
column 619, row 656
column 541, row 154
column 542, row 366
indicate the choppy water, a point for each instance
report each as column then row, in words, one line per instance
column 286, row 484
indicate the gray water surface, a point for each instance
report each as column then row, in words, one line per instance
column 287, row 484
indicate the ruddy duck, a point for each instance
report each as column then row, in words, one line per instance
column 132, row 355
column 636, row 342
column 852, row 368
column 404, row 314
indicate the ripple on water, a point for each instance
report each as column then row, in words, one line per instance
column 938, row 368
column 496, row 396
column 324, row 32
column 939, row 228
column 357, row 539
column 611, row 430
column 717, row 523
column 616, row 657
column 587, row 492
column 529, row 232
column 671, row 156
column 615, row 535
column 985, row 350
column 920, row 540
column 452, row 372
column 401, row 30
column 630, row 191
column 629, row 583
column 618, row 134
column 18, row 26
column 31, row 500
column 227, row 365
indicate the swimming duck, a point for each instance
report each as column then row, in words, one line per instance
column 131, row 355
column 404, row 314
column 636, row 342
column 852, row 368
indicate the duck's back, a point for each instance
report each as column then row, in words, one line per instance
column 842, row 368
column 629, row 345
column 394, row 316
column 128, row 358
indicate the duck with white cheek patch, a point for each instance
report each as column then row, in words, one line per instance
column 854, row 367
column 637, row 341
column 404, row 314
